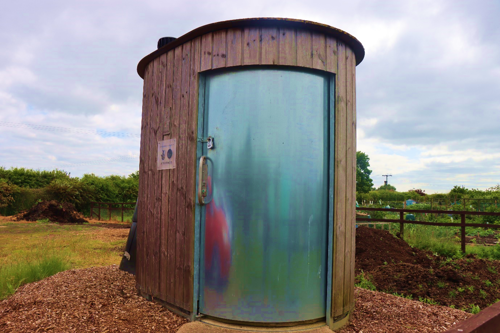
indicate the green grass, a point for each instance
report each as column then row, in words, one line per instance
column 32, row 251
column 403, row 295
column 427, row 300
column 116, row 215
column 15, row 275
column 364, row 282
column 474, row 309
column 439, row 240
column 445, row 241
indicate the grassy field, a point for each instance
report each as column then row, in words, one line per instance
column 32, row 251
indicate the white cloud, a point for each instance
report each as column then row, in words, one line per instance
column 427, row 90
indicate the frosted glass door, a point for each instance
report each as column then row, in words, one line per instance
column 265, row 231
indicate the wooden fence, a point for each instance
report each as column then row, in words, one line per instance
column 109, row 206
column 402, row 220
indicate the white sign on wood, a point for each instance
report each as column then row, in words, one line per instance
column 166, row 154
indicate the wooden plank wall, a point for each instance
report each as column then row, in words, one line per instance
column 170, row 110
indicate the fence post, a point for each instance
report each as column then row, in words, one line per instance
column 462, row 217
column 109, row 211
column 401, row 225
column 432, row 202
column 99, row 210
column 91, row 209
column 122, row 211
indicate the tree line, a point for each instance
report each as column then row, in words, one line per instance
column 366, row 192
column 22, row 188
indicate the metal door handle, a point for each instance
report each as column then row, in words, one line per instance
column 203, row 181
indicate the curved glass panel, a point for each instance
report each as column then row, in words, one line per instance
column 265, row 231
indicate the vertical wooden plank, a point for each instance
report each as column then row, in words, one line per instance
column 206, row 51
column 354, row 163
column 159, row 177
column 192, row 133
column 141, row 250
column 462, row 232
column 350, row 184
column 331, row 54
column 251, row 46
column 287, row 53
column 148, row 179
column 166, row 89
column 183, row 149
column 175, row 240
column 304, row 48
column 269, row 46
column 168, row 247
column 181, row 177
column 234, row 47
column 156, row 200
column 152, row 172
column 219, row 49
column 340, row 185
column 318, row 51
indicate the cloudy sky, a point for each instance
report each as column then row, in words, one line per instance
column 428, row 90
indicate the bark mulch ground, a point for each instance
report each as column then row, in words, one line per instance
column 104, row 299
column 99, row 299
column 395, row 267
column 380, row 312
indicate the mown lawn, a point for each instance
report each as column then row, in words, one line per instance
column 32, row 251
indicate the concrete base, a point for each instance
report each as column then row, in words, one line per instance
column 210, row 325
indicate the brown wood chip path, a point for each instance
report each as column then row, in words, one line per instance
column 99, row 299
column 104, row 299
column 381, row 312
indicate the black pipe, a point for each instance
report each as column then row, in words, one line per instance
column 128, row 262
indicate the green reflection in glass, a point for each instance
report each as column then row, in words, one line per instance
column 270, row 180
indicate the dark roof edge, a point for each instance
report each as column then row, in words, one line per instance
column 350, row 40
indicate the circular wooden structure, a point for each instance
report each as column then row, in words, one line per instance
column 247, row 185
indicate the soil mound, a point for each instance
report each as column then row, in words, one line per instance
column 376, row 247
column 54, row 211
column 395, row 267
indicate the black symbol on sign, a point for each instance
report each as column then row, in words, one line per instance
column 169, row 153
column 163, row 155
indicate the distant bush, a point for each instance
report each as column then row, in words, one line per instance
column 7, row 192
column 29, row 178
column 492, row 219
column 21, row 188
column 70, row 190
column 24, row 198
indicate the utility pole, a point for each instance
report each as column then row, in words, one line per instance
column 386, row 182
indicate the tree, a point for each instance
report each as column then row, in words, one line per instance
column 387, row 187
column 6, row 192
column 363, row 181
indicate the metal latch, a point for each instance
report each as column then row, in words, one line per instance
column 210, row 142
